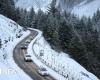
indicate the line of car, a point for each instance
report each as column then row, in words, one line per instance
column 27, row 57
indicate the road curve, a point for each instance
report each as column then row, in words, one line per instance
column 30, row 68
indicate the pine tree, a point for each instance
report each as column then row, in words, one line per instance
column 24, row 17
column 17, row 14
column 96, row 17
column 41, row 19
column 31, row 13
column 31, row 17
column 65, row 32
column 7, row 8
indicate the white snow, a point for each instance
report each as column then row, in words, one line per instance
column 57, row 3
column 36, row 4
column 31, row 51
column 86, row 9
column 8, row 31
column 57, row 64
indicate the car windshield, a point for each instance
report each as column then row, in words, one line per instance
column 43, row 69
column 28, row 56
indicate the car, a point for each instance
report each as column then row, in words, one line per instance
column 27, row 58
column 23, row 47
column 42, row 71
column 31, row 38
column 27, row 41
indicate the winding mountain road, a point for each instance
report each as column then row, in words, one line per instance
column 30, row 68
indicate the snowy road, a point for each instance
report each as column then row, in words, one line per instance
column 28, row 67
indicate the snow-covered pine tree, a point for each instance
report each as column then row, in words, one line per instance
column 7, row 8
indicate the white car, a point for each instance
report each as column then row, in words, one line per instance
column 31, row 38
column 42, row 71
column 27, row 41
column 23, row 47
column 28, row 58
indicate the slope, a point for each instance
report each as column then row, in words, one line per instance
column 10, row 34
column 86, row 9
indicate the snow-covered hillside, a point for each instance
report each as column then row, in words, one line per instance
column 61, row 63
column 86, row 9
column 79, row 7
column 10, row 34
column 36, row 4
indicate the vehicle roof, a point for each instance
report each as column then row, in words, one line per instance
column 27, row 55
column 43, row 69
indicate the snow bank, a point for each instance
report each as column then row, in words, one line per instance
column 9, row 33
column 57, row 63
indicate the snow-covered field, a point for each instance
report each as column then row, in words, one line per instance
column 86, row 9
column 59, row 65
column 9, row 33
column 36, row 4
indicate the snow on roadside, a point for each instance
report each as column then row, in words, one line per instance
column 38, row 62
column 59, row 62
column 9, row 33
